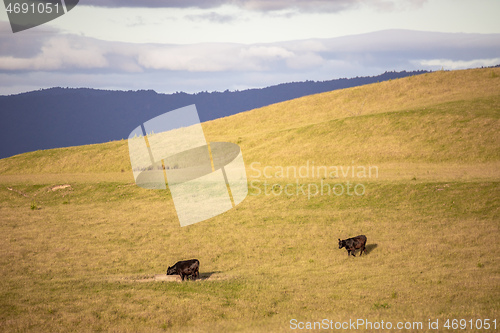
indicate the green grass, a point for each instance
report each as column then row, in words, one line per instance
column 84, row 258
column 76, row 266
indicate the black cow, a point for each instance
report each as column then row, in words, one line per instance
column 354, row 243
column 185, row 268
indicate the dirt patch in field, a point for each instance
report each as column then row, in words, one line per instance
column 209, row 276
column 156, row 278
column 18, row 192
column 60, row 187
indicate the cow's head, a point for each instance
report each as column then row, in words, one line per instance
column 341, row 243
column 170, row 271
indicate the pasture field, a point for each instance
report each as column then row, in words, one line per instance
column 83, row 257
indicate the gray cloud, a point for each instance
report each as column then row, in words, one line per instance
column 154, row 3
column 33, row 61
column 28, row 46
column 263, row 5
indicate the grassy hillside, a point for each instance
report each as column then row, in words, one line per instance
column 82, row 257
column 446, row 117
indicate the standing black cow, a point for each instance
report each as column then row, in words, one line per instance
column 354, row 243
column 185, row 268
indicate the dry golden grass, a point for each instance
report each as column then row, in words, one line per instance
column 74, row 263
column 437, row 106
column 402, row 94
column 77, row 258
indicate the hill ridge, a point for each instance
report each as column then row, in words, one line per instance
column 256, row 131
column 62, row 117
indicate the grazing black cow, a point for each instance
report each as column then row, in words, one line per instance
column 354, row 243
column 185, row 268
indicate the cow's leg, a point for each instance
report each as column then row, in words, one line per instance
column 352, row 252
column 182, row 276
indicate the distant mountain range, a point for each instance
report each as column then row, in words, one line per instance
column 63, row 117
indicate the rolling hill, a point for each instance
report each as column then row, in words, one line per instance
column 84, row 257
column 63, row 117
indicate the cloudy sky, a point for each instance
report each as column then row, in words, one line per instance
column 207, row 45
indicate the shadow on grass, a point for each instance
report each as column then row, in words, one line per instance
column 370, row 248
column 207, row 275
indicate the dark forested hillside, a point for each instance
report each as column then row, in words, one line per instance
column 62, row 117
